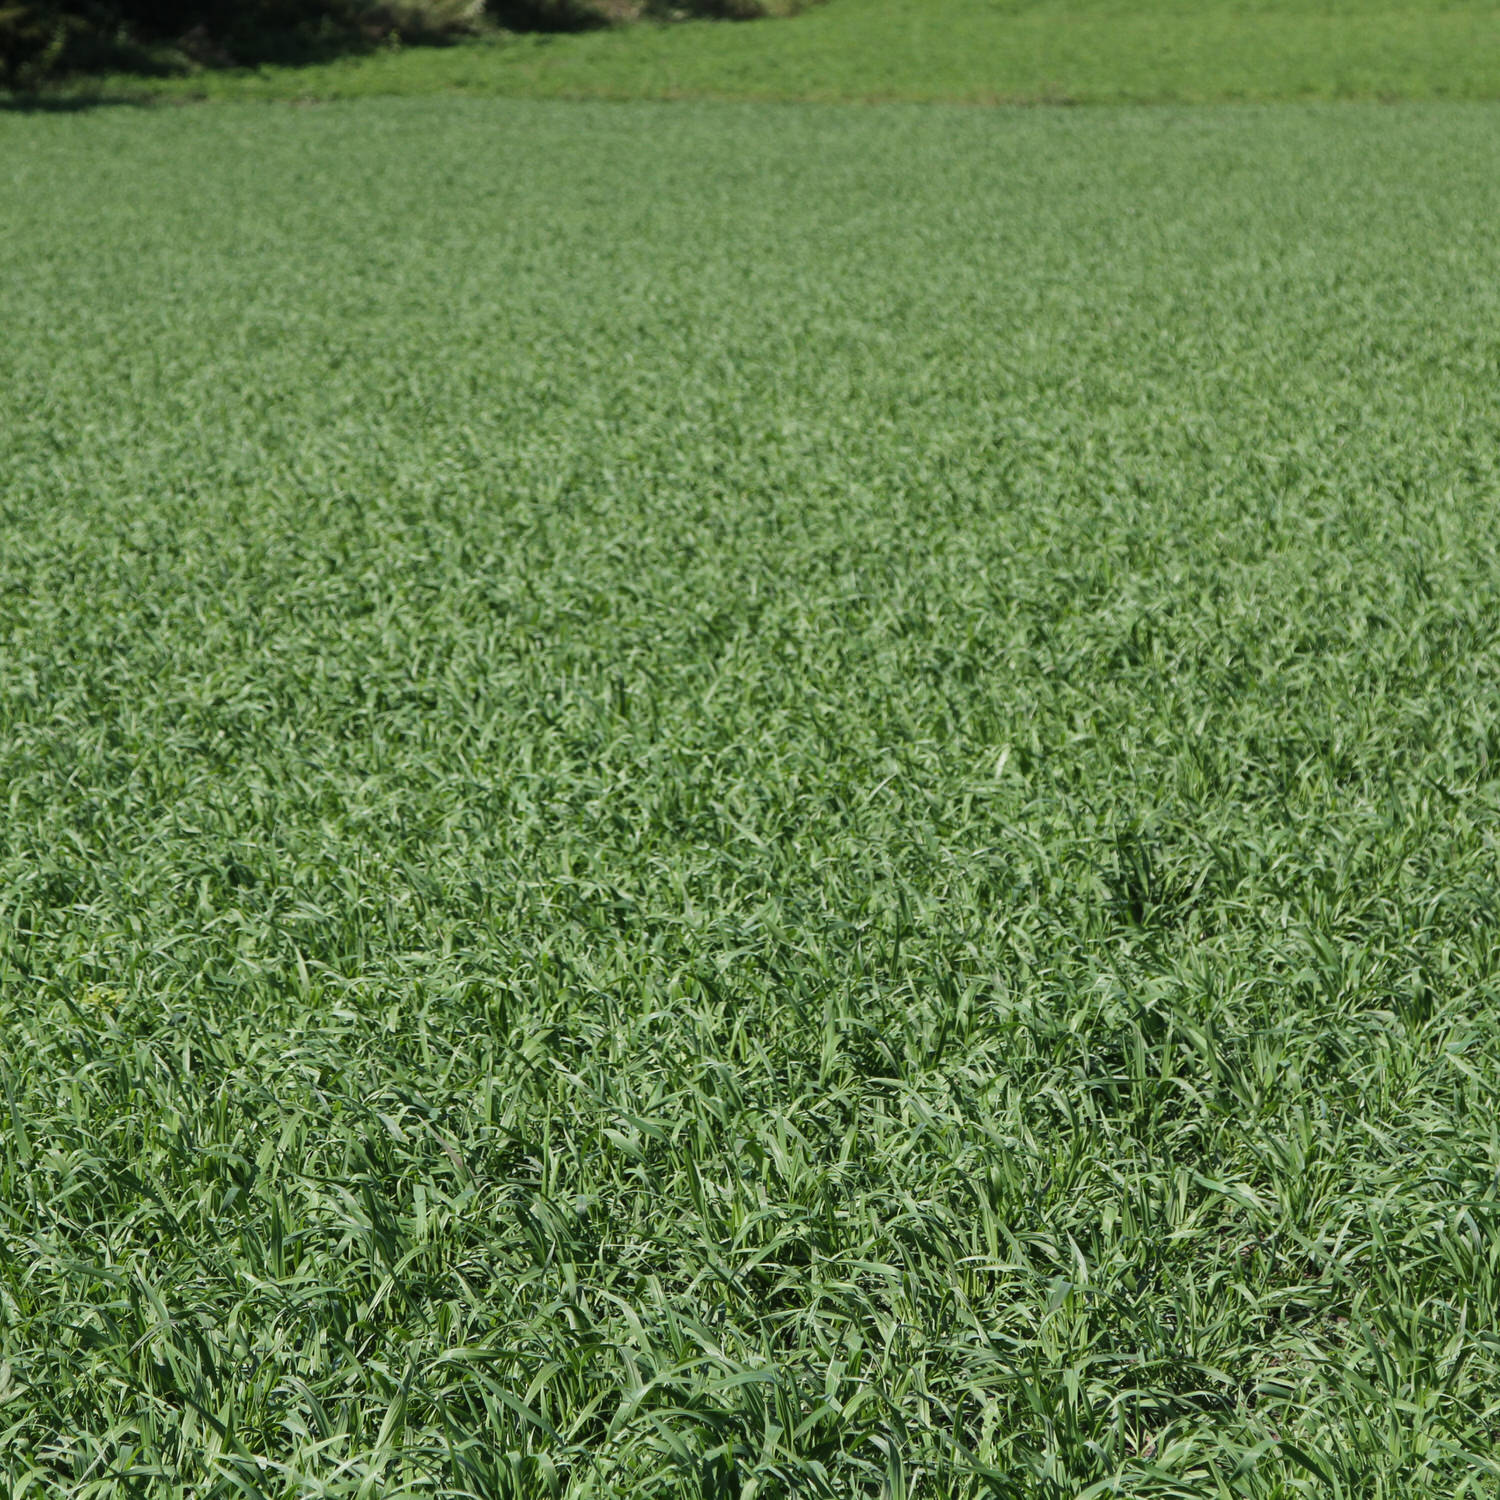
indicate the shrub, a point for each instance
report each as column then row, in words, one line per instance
column 41, row 37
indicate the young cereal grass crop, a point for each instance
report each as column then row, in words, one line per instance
column 721, row 801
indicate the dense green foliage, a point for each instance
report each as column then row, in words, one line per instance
column 972, row 51
column 40, row 39
column 725, row 800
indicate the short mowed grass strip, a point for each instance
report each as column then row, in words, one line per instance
column 722, row 801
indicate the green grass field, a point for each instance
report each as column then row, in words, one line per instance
column 726, row 800
column 969, row 51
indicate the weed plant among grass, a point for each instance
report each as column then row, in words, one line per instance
column 724, row 801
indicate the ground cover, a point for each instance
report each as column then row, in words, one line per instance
column 974, row 51
column 724, row 800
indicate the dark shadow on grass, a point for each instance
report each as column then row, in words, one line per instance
column 307, row 50
column 539, row 15
column 582, row 15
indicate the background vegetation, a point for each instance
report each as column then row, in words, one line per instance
column 40, row 39
column 722, row 800
column 971, row 51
